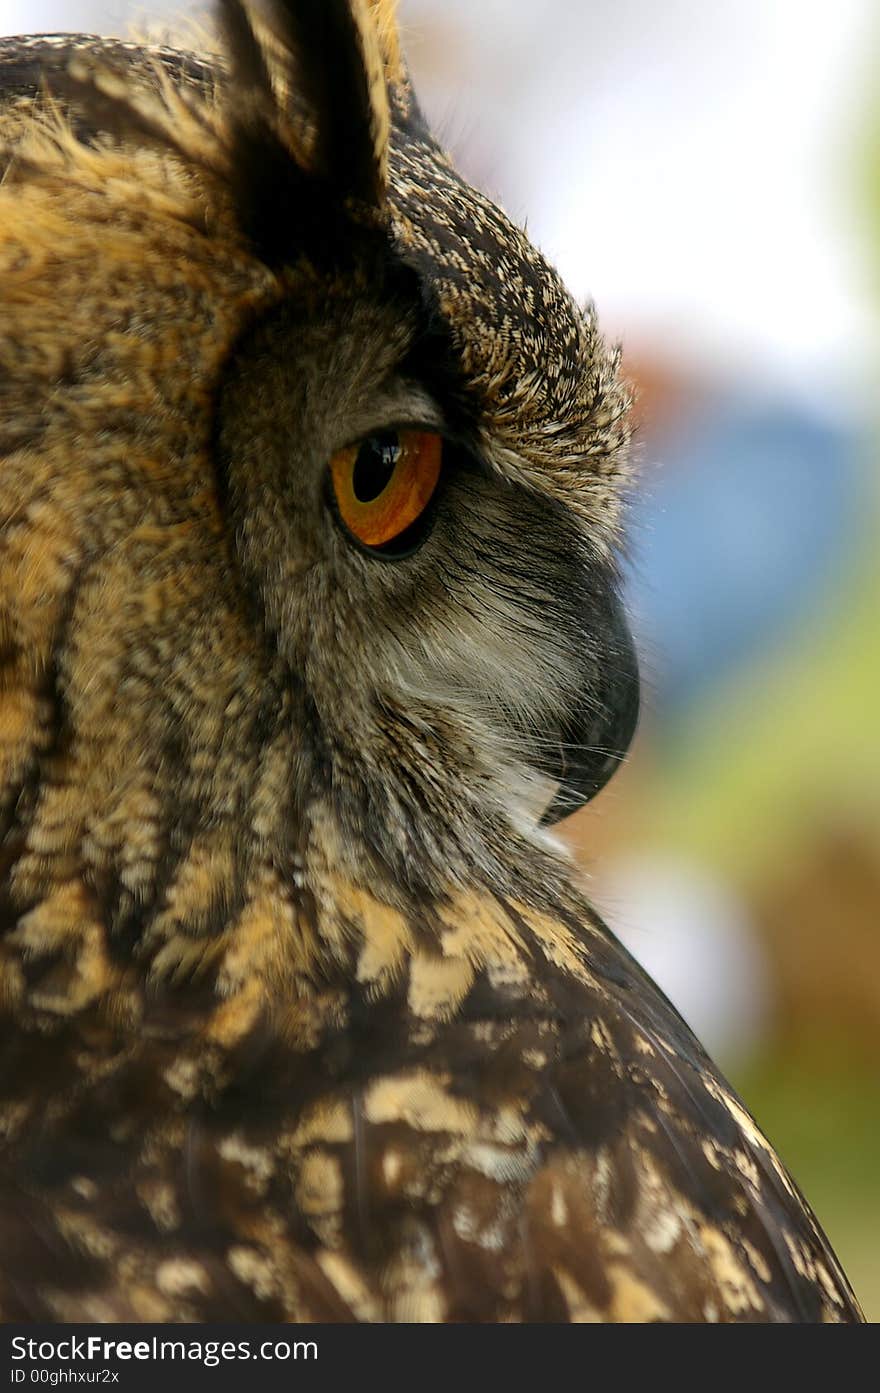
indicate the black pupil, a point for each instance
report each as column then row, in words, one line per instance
column 376, row 462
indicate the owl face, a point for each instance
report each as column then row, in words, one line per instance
column 474, row 616
column 422, row 450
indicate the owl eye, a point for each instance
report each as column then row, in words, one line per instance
column 382, row 486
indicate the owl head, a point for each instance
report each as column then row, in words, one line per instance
column 312, row 488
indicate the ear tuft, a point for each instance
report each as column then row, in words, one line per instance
column 310, row 81
column 298, row 131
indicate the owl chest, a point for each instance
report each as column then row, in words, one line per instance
column 335, row 1184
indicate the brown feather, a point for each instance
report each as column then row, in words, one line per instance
column 303, row 1018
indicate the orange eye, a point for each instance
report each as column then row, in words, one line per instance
column 384, row 483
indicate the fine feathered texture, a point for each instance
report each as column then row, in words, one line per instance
column 305, row 1016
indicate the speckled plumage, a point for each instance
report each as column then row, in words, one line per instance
column 305, row 1016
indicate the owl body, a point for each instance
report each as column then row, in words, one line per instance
column 306, row 1015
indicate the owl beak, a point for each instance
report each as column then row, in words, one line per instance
column 593, row 741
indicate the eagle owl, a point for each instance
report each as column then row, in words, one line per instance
column 310, row 503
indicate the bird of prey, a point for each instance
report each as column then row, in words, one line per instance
column 312, row 478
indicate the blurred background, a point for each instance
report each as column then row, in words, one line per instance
column 710, row 176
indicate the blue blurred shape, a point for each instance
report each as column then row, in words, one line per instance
column 744, row 530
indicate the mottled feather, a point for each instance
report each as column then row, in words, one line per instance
column 304, row 1017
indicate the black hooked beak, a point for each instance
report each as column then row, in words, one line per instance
column 599, row 730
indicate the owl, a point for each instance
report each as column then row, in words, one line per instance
column 311, row 507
